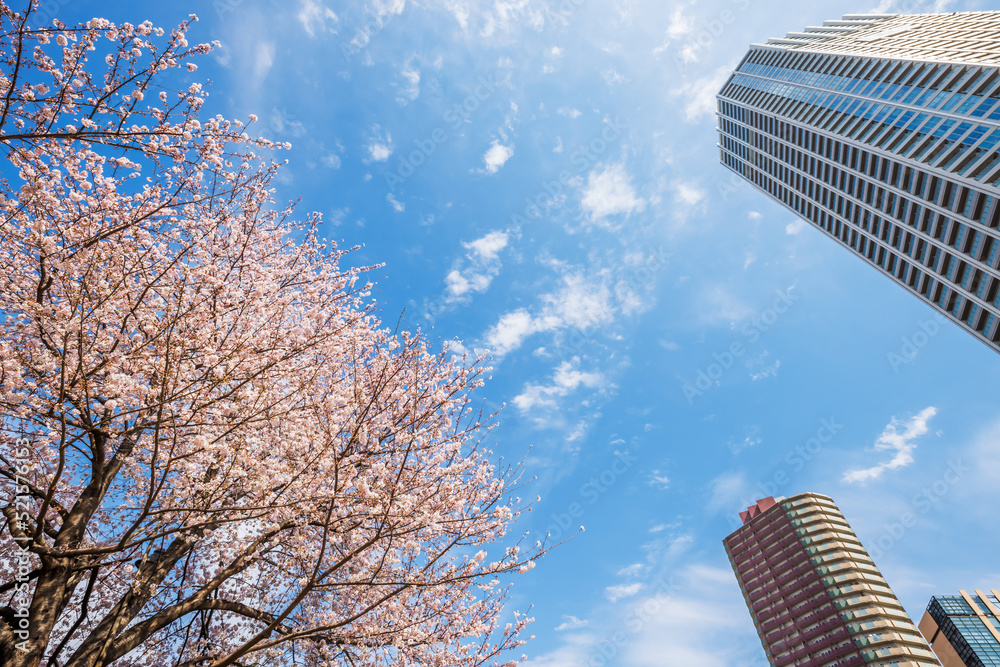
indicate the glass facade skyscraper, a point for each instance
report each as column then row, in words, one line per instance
column 816, row 597
column 884, row 132
column 964, row 629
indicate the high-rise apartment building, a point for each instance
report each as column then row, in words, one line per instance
column 884, row 132
column 816, row 597
column 964, row 629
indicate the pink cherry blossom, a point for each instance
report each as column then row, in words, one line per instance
column 222, row 456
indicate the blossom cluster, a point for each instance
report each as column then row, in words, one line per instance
column 233, row 461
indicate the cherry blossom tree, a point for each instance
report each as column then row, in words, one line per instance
column 213, row 451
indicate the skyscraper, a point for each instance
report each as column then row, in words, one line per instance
column 816, row 597
column 964, row 630
column 883, row 132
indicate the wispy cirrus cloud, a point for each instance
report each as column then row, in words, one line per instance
column 571, row 623
column 699, row 94
column 396, row 205
column 633, row 570
column 616, row 593
column 898, row 437
column 316, row 17
column 726, row 492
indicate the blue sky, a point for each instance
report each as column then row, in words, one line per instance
column 541, row 179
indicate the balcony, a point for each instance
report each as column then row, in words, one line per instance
column 775, row 622
column 787, row 604
column 805, row 620
column 793, row 574
column 851, row 660
column 797, row 573
column 843, row 651
column 800, row 619
column 765, row 568
column 822, row 628
column 806, row 592
column 807, row 651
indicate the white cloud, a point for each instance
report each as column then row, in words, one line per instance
column 700, row 93
column 610, row 192
column 689, row 52
column 754, row 215
column 676, row 547
column 488, row 247
column 767, row 371
column 460, row 10
column 571, row 623
column 263, row 59
column 612, row 77
column 630, row 301
column 379, row 146
column 751, row 440
column 680, row 24
column 458, row 285
column 659, row 528
column 507, row 14
column 379, row 152
column 397, row 205
column 795, row 227
column 565, row 380
column 569, row 112
column 496, row 155
column 315, row 17
column 511, row 330
column 332, row 161
column 760, row 369
column 580, row 302
column 688, row 194
column 480, row 266
column 631, row 571
column 901, row 443
column 615, row 593
column 383, row 8
column 577, row 433
column 412, row 89
column 659, row 479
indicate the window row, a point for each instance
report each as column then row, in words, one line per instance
column 956, row 199
column 978, row 319
column 965, row 90
column 965, row 148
